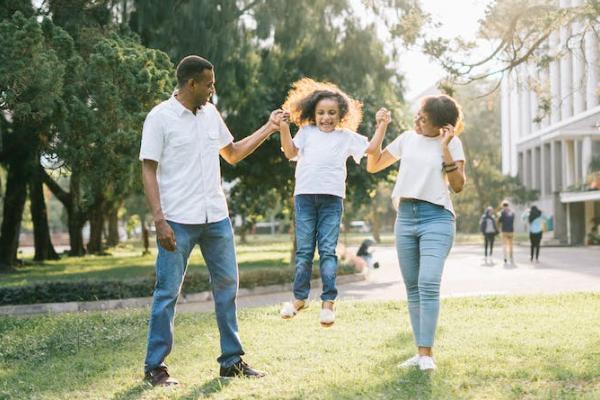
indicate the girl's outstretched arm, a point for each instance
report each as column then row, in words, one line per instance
column 377, row 159
column 289, row 148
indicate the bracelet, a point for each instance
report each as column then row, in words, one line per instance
column 447, row 170
column 452, row 164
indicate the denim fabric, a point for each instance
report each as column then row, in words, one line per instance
column 318, row 218
column 424, row 235
column 216, row 241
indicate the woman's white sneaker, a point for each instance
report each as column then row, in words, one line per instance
column 411, row 362
column 426, row 363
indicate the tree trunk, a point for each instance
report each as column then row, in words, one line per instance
column 475, row 174
column 96, row 227
column 75, row 216
column 375, row 225
column 113, row 225
column 39, row 214
column 14, row 204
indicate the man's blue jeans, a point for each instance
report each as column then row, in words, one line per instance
column 318, row 218
column 217, row 244
column 424, row 235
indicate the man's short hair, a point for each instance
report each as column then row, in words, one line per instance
column 505, row 204
column 190, row 68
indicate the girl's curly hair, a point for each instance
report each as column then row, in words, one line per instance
column 302, row 100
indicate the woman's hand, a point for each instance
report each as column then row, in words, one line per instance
column 446, row 133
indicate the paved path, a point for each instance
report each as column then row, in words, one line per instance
column 561, row 269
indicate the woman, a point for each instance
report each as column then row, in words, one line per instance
column 487, row 226
column 432, row 159
column 535, row 219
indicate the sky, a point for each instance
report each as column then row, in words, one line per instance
column 457, row 18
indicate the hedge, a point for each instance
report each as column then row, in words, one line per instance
column 91, row 290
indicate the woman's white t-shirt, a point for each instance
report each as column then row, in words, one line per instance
column 421, row 174
column 322, row 159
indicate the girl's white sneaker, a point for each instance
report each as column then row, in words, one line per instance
column 327, row 317
column 426, row 363
column 411, row 362
column 289, row 310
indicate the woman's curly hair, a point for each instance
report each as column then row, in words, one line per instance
column 302, row 100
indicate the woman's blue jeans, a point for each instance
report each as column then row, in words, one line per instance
column 216, row 241
column 318, row 218
column 424, row 235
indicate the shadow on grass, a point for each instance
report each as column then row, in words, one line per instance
column 132, row 393
column 392, row 382
column 210, row 387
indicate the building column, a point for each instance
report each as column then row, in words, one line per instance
column 506, row 124
column 524, row 101
column 586, row 155
column 553, row 161
column 543, row 172
column 579, row 83
column 576, row 162
column 515, row 126
column 591, row 56
column 554, row 70
column 566, row 69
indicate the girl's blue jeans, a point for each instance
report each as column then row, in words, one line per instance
column 318, row 218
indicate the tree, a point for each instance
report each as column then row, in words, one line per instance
column 33, row 56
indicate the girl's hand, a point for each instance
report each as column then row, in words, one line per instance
column 383, row 116
column 447, row 133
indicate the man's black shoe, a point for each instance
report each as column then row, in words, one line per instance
column 240, row 368
column 160, row 377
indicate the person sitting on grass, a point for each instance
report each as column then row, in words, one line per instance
column 328, row 118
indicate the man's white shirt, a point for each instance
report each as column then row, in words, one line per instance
column 186, row 147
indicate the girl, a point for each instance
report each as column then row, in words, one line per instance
column 432, row 159
column 487, row 226
column 327, row 118
column 535, row 219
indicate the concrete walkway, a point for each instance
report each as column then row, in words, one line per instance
column 561, row 269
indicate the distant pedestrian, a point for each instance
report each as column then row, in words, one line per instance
column 535, row 221
column 487, row 226
column 507, row 229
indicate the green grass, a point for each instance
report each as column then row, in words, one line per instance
column 542, row 347
column 126, row 261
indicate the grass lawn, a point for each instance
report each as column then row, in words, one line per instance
column 126, row 261
column 542, row 347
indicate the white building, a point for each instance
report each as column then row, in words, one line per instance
column 553, row 155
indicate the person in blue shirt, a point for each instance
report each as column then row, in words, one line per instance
column 535, row 220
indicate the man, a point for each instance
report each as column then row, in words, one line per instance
column 181, row 143
column 506, row 222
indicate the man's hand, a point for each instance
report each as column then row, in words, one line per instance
column 275, row 119
column 165, row 235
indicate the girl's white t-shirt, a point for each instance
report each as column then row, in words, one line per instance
column 421, row 174
column 322, row 159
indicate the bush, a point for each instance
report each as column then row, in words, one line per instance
column 91, row 290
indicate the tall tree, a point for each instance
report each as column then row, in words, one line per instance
column 33, row 56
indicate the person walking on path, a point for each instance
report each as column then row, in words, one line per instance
column 506, row 220
column 181, row 142
column 327, row 118
column 534, row 218
column 487, row 226
column 432, row 159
